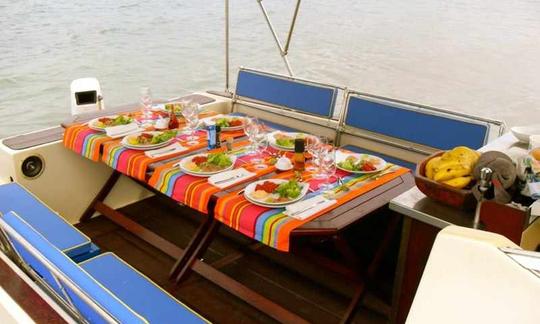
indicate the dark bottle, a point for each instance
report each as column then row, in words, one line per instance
column 173, row 120
column 218, row 136
column 211, row 130
column 299, row 159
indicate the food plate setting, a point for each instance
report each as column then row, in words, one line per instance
column 283, row 140
column 229, row 123
column 359, row 163
column 148, row 140
column 101, row 123
column 275, row 193
column 205, row 165
column 167, row 107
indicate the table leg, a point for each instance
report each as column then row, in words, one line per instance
column 100, row 197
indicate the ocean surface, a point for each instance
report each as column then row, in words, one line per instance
column 478, row 56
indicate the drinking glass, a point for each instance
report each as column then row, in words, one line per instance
column 146, row 105
column 261, row 143
column 319, row 149
column 191, row 115
column 251, row 128
column 312, row 142
column 328, row 166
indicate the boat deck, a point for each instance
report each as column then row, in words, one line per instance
column 316, row 295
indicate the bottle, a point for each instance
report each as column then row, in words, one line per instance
column 211, row 130
column 218, row 136
column 299, row 159
column 173, row 120
column 229, row 143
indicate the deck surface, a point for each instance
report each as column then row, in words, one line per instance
column 287, row 285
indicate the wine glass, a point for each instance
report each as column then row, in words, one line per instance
column 260, row 143
column 328, row 167
column 146, row 105
column 312, row 142
column 251, row 128
column 319, row 150
column 191, row 115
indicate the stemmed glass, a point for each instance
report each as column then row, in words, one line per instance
column 327, row 165
column 191, row 115
column 312, row 142
column 261, row 143
column 318, row 150
column 146, row 104
column 251, row 128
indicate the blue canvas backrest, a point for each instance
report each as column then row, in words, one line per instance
column 303, row 96
column 414, row 124
column 33, row 248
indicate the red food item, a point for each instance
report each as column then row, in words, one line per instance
column 105, row 120
column 267, row 186
column 235, row 122
column 146, row 135
column 368, row 166
column 199, row 160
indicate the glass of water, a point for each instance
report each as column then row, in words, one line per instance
column 328, row 166
column 251, row 128
column 191, row 115
column 146, row 105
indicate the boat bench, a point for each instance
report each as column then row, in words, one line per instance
column 65, row 237
column 374, row 124
column 102, row 289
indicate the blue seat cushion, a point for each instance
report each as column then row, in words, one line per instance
column 270, row 124
column 138, row 292
column 303, row 96
column 116, row 308
column 387, row 158
column 415, row 126
column 65, row 237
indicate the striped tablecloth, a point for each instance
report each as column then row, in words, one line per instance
column 273, row 228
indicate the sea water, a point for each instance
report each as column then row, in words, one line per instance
column 479, row 56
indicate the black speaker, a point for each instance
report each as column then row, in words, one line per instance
column 32, row 166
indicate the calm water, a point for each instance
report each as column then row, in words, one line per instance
column 476, row 56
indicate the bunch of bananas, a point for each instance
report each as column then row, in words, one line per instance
column 454, row 167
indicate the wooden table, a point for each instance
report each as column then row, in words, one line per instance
column 329, row 225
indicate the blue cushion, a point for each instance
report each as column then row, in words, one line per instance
column 138, row 292
column 71, row 270
column 56, row 229
column 270, row 124
column 94, row 251
column 302, row 96
column 387, row 158
column 414, row 126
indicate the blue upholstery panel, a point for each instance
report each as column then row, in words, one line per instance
column 270, row 124
column 137, row 291
column 387, row 158
column 308, row 98
column 70, row 269
column 93, row 252
column 61, row 234
column 418, row 127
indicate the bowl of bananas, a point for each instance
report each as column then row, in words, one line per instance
column 446, row 176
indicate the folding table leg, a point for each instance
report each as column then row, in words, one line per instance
column 100, row 197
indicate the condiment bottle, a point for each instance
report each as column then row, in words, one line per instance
column 229, row 143
column 299, row 159
column 211, row 129
column 173, row 120
column 218, row 136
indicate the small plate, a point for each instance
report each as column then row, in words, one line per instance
column 272, row 139
column 379, row 163
column 522, row 133
column 188, row 159
column 92, row 123
column 251, row 188
column 147, row 147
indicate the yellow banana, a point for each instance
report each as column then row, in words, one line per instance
column 451, row 170
column 460, row 182
column 431, row 165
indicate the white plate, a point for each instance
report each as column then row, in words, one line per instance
column 522, row 133
column 125, row 142
column 379, row 163
column 212, row 120
column 272, row 140
column 188, row 159
column 161, row 107
column 92, row 123
column 251, row 188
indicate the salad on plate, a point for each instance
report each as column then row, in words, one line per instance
column 285, row 140
column 360, row 163
column 229, row 123
column 207, row 164
column 101, row 123
column 276, row 191
column 149, row 140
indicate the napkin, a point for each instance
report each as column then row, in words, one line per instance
column 306, row 208
column 228, row 178
column 167, row 150
column 122, row 130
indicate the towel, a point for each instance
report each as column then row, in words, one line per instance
column 229, row 178
column 306, row 208
column 167, row 150
column 503, row 177
column 122, row 130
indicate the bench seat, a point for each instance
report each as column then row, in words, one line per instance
column 387, row 158
column 110, row 284
column 65, row 237
column 138, row 292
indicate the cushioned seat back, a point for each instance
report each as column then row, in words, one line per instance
column 414, row 124
column 61, row 234
column 303, row 96
column 33, row 247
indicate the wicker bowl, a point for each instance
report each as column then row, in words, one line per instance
column 459, row 198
